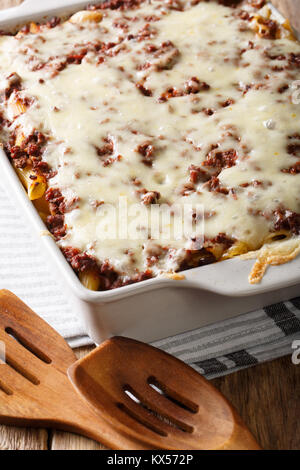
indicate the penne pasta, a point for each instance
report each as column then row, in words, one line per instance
column 34, row 28
column 278, row 235
column 235, row 250
column 263, row 27
column 19, row 139
column 83, row 16
column 34, row 184
column 16, row 106
column 216, row 250
column 287, row 31
column 260, row 26
column 90, row 280
column 42, row 206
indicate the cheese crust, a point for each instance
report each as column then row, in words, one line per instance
column 167, row 103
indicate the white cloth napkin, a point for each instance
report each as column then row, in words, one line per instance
column 23, row 271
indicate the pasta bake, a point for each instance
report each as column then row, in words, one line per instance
column 165, row 103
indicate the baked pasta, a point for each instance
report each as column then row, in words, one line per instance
column 161, row 102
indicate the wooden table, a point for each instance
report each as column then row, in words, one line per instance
column 266, row 396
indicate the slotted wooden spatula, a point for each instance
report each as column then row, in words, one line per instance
column 34, row 388
column 156, row 400
column 131, row 396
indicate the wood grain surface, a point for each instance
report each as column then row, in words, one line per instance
column 266, row 396
column 290, row 9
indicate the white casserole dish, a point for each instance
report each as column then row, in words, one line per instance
column 160, row 307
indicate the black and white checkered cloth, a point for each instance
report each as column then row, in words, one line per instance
column 240, row 342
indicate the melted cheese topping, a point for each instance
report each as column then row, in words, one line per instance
column 118, row 100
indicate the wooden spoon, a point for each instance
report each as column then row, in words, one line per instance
column 131, row 395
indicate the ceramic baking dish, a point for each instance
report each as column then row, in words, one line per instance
column 160, row 307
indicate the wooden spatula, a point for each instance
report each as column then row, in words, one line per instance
column 34, row 388
column 131, row 396
column 156, row 400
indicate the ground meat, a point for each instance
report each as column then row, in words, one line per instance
column 227, row 103
column 146, row 32
column 221, row 159
column 145, row 91
column 196, row 258
column 36, row 140
column 208, row 111
column 186, row 189
column 58, row 63
column 56, row 226
column 106, row 149
column 149, row 197
column 151, row 18
column 58, row 67
column 174, row 5
column 29, row 151
column 229, row 3
column 43, row 168
column 285, row 219
column 244, row 15
column 143, row 276
column 78, row 260
column 116, row 5
column 18, row 155
column 76, row 56
column 198, row 175
column 170, row 93
column 295, row 136
column 283, row 88
column 270, row 29
column 13, row 82
column 109, row 278
column 194, row 85
column 53, row 22
column 154, row 252
column 245, row 87
column 294, row 60
column 163, row 57
column 214, row 185
column 83, row 262
column 222, row 239
column 294, row 149
column 56, row 201
column 121, row 23
column 293, row 170
column 147, row 151
column 257, row 3
column 254, row 183
column 21, row 162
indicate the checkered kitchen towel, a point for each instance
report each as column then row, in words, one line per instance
column 240, row 342
column 214, row 350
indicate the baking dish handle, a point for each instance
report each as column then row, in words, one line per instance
column 47, row 4
column 35, row 7
column 231, row 277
